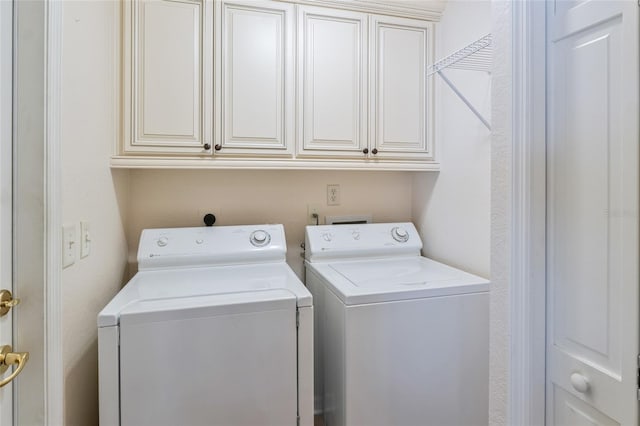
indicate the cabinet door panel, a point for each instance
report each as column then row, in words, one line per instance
column 165, row 76
column 257, row 70
column 401, row 107
column 332, row 81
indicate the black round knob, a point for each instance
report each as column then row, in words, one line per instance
column 209, row 219
column 374, row 151
column 365, row 151
column 218, row 147
column 207, row 146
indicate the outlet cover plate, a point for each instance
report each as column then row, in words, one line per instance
column 333, row 195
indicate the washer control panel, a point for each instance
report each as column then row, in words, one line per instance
column 202, row 246
column 361, row 240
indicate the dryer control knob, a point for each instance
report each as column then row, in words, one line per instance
column 163, row 241
column 400, row 234
column 327, row 236
column 260, row 238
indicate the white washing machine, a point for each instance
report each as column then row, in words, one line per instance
column 214, row 329
column 400, row 339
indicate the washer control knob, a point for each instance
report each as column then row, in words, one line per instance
column 355, row 235
column 199, row 241
column 163, row 241
column 400, row 234
column 260, row 238
column 327, row 236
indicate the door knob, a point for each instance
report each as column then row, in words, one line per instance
column 7, row 302
column 8, row 358
column 579, row 382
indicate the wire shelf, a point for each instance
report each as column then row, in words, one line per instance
column 475, row 57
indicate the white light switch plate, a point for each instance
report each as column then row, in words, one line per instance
column 68, row 245
column 85, row 239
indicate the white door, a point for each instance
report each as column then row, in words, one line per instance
column 6, row 64
column 592, row 213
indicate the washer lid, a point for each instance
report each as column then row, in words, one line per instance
column 383, row 280
column 158, row 289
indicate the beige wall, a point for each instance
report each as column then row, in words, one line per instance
column 452, row 207
column 168, row 198
column 90, row 191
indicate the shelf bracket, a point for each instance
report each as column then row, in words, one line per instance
column 465, row 100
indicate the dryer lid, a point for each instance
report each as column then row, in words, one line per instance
column 162, row 310
column 177, row 287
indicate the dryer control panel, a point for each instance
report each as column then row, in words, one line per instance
column 329, row 242
column 205, row 246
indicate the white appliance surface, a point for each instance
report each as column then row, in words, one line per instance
column 400, row 339
column 199, row 337
column 373, row 240
column 152, row 287
column 383, row 280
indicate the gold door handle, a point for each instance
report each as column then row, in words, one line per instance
column 8, row 358
column 7, row 302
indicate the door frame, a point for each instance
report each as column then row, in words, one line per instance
column 54, row 362
column 36, row 53
column 527, row 190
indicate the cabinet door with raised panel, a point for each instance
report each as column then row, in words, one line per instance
column 401, row 93
column 332, row 82
column 167, row 59
column 257, row 87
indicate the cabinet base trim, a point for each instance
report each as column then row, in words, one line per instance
column 120, row 162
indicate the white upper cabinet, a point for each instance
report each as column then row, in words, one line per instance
column 273, row 84
column 401, row 100
column 167, row 68
column 332, row 82
column 255, row 64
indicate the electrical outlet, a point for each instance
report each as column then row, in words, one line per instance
column 313, row 209
column 333, row 195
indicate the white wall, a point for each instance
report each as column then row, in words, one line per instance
column 90, row 191
column 168, row 198
column 452, row 208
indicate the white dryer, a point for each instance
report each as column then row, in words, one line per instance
column 214, row 329
column 400, row 339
